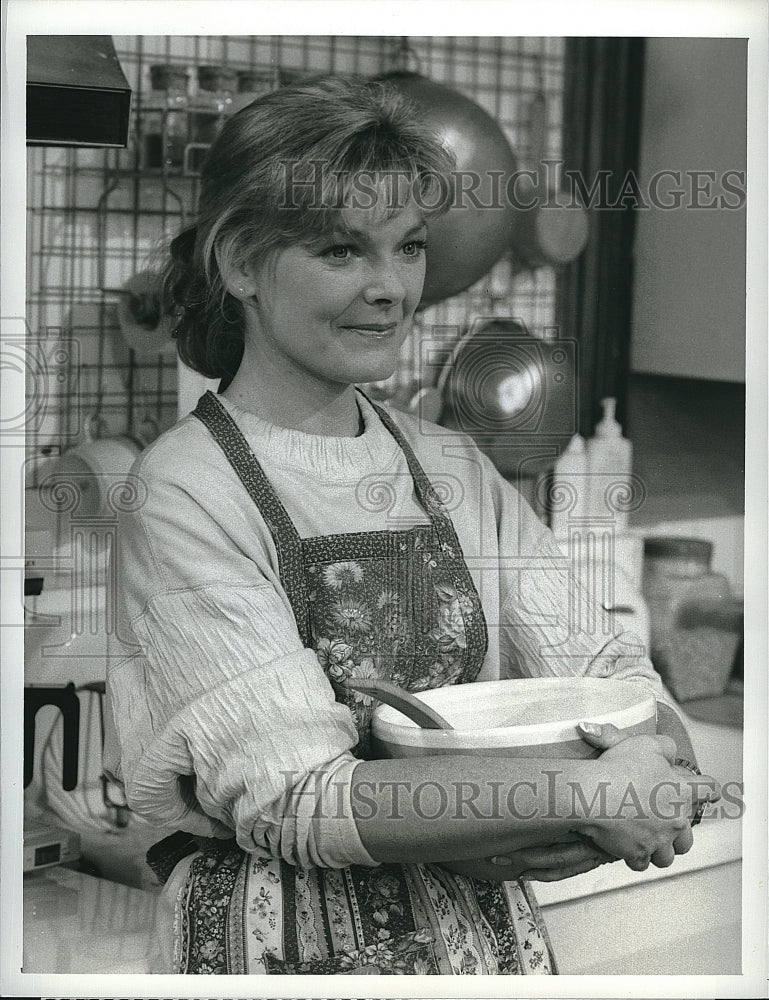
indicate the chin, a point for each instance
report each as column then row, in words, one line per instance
column 378, row 373
column 375, row 369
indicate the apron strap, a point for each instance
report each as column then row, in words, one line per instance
column 284, row 534
column 426, row 494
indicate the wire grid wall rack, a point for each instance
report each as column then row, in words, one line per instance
column 98, row 217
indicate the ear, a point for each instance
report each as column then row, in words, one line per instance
column 240, row 285
column 239, row 282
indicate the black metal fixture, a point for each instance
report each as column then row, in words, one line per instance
column 64, row 698
column 77, row 94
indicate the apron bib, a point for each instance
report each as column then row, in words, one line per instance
column 398, row 605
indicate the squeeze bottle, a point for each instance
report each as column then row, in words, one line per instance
column 609, row 464
column 569, row 487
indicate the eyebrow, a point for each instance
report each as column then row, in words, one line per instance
column 345, row 232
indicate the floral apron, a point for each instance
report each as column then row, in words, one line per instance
column 400, row 605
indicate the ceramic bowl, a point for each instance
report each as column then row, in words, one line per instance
column 534, row 717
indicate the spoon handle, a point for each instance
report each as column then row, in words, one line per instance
column 405, row 702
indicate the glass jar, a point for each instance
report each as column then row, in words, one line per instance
column 216, row 88
column 252, row 84
column 688, row 603
column 165, row 119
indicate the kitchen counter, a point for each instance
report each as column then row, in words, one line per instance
column 685, row 919
column 74, row 923
column 682, row 920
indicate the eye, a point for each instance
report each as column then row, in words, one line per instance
column 414, row 248
column 338, row 252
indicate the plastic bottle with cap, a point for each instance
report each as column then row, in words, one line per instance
column 568, row 491
column 609, row 464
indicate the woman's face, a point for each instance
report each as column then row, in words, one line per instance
column 336, row 312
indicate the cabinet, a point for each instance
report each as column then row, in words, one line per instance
column 688, row 312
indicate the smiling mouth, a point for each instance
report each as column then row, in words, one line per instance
column 376, row 330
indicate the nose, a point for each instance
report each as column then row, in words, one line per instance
column 385, row 285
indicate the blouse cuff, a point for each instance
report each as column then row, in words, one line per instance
column 312, row 824
column 324, row 818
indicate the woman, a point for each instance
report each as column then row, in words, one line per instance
column 292, row 539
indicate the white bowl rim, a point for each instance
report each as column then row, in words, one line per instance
column 391, row 726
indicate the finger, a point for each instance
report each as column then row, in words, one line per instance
column 663, row 857
column 600, row 736
column 684, row 841
column 557, row 874
column 638, row 864
column 667, row 747
column 554, row 856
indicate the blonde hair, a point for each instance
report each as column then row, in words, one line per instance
column 281, row 172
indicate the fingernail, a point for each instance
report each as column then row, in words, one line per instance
column 590, row 728
column 500, row 859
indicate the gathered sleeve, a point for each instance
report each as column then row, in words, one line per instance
column 550, row 626
column 222, row 722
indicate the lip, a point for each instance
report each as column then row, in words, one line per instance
column 380, row 329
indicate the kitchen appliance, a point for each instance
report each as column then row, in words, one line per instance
column 526, row 717
column 65, row 698
column 45, row 846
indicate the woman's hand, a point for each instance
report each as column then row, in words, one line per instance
column 568, row 856
column 645, row 817
column 555, row 862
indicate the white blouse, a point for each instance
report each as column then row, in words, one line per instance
column 219, row 721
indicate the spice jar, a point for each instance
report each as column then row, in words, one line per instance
column 216, row 88
column 165, row 122
column 690, row 645
column 253, row 83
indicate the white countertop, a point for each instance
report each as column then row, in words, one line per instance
column 717, row 840
column 74, row 923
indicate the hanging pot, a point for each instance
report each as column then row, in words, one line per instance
column 516, row 394
column 466, row 241
column 486, row 218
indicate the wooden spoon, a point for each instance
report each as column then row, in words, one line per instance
column 397, row 697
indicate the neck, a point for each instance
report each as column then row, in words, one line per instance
column 329, row 410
